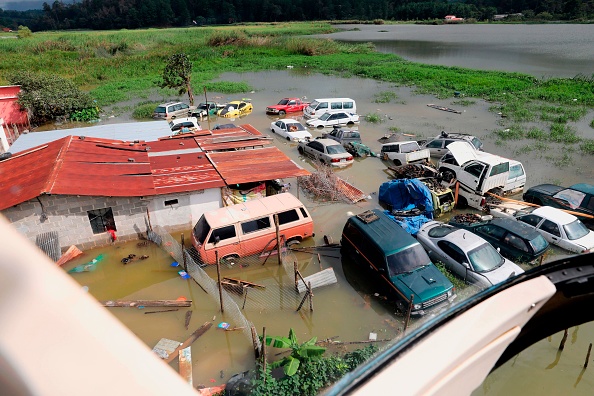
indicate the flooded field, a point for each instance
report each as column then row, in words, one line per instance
column 353, row 307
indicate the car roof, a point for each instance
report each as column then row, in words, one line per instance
column 584, row 187
column 558, row 215
column 327, row 142
column 184, row 119
column 462, row 238
column 384, row 232
column 289, row 121
column 516, row 227
column 168, row 104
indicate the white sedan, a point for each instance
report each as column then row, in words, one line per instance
column 327, row 151
column 559, row 228
column 335, row 119
column 290, row 129
column 466, row 254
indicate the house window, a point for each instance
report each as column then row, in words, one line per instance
column 101, row 220
column 171, row 202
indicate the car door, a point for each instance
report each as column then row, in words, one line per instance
column 471, row 175
column 333, row 120
column 315, row 149
column 453, row 257
column 495, row 236
column 552, row 233
column 436, row 147
column 291, row 106
column 281, row 128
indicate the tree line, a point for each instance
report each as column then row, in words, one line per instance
column 133, row 14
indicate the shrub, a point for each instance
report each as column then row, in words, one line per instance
column 378, row 21
column 220, row 38
column 384, row 97
column 24, row 32
column 90, row 114
column 144, row 110
column 374, row 118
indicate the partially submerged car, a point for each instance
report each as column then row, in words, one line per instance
column 578, row 198
column 466, row 254
column 171, row 110
column 208, row 108
column 327, row 151
column 343, row 136
column 186, row 124
column 438, row 146
column 290, row 129
column 287, row 105
column 374, row 241
column 334, row 119
column 559, row 228
column 235, row 109
column 514, row 240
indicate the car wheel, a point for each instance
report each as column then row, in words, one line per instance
column 320, row 126
column 281, row 113
column 350, row 123
column 293, row 241
column 397, row 162
column 300, row 150
column 462, row 203
column 288, row 138
column 448, row 175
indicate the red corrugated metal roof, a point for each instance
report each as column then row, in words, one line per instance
column 245, row 166
column 184, row 172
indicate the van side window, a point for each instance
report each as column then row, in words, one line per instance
column 347, row 105
column 497, row 169
column 322, row 105
column 336, row 105
column 515, row 171
column 255, row 225
column 223, row 233
column 287, row 217
column 304, row 213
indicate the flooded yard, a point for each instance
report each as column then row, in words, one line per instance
column 356, row 305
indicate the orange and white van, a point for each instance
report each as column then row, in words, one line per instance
column 248, row 228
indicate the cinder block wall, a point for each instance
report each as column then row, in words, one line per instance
column 68, row 216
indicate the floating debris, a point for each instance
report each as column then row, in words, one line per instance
column 443, row 108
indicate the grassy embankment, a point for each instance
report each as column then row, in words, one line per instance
column 116, row 66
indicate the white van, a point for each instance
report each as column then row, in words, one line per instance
column 329, row 105
column 516, row 179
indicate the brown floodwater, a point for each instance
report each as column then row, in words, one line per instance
column 354, row 306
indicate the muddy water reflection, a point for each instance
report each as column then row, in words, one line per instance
column 349, row 309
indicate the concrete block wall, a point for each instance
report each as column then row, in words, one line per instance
column 68, row 216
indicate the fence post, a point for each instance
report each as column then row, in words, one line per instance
column 278, row 245
column 296, row 277
column 264, row 352
column 183, row 252
column 310, row 292
column 219, row 280
column 410, row 305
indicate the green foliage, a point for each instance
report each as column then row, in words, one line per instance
column 536, row 133
column 299, row 352
column 144, row 110
column 49, row 97
column 562, row 133
column 24, row 32
column 312, row 376
column 90, row 114
column 219, row 38
column 456, row 281
column 384, row 97
column 373, row 118
column 515, row 132
column 178, row 75
column 592, row 124
column 587, row 146
column 228, row 87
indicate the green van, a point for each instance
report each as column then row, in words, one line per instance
column 373, row 239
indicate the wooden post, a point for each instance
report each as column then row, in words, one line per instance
column 245, row 296
column 562, row 344
column 540, row 261
column 320, row 261
column 302, row 301
column 219, row 280
column 456, row 193
column 255, row 342
column 588, row 356
column 264, row 348
column 309, row 291
column 148, row 216
column 296, row 277
column 183, row 252
column 410, row 305
column 278, row 245
column 297, row 187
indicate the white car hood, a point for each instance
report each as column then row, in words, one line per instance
column 502, row 273
column 461, row 152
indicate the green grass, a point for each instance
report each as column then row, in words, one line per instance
column 562, row 133
column 116, row 66
column 587, row 146
column 144, row 110
column 515, row 132
column 373, row 118
column 384, row 97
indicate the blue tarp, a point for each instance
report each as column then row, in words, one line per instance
column 404, row 195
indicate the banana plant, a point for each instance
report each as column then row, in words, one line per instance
column 300, row 353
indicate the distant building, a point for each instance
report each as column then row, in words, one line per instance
column 13, row 120
column 82, row 187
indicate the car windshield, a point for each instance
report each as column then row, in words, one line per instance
column 407, row 260
column 295, row 126
column 283, row 101
column 325, row 116
column 576, row 230
column 202, row 106
column 539, row 243
column 485, row 258
column 338, row 149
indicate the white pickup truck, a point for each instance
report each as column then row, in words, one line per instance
column 477, row 173
column 402, row 153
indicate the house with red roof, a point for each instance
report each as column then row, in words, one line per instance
column 13, row 120
column 88, row 189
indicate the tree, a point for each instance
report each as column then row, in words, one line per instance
column 299, row 353
column 24, row 32
column 178, row 74
column 48, row 97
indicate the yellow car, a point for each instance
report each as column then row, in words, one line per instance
column 235, row 109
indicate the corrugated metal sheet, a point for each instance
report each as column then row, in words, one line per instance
column 131, row 131
column 185, row 172
column 245, row 166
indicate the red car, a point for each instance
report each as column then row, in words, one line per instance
column 287, row 105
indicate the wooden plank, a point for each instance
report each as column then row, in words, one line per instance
column 146, row 303
column 243, row 282
column 319, row 279
column 185, row 365
column 193, row 337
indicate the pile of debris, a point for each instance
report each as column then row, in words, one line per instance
column 325, row 185
column 413, row 171
column 468, row 218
